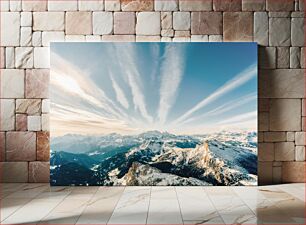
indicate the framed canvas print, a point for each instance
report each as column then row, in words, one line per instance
column 153, row 114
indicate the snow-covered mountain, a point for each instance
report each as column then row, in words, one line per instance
column 156, row 158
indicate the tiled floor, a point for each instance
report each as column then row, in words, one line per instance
column 41, row 204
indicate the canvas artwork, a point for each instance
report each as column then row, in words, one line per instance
column 153, row 114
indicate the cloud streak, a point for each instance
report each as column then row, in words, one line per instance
column 224, row 108
column 119, row 93
column 128, row 55
column 171, row 76
column 237, row 81
column 239, row 118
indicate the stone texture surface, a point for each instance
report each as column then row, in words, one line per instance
column 284, row 151
column 34, row 5
column 37, row 83
column 295, row 58
column 28, row 106
column 43, row 146
column 45, row 122
column 45, row 106
column 112, row 5
column 266, row 152
column 25, row 36
column 285, row 115
column 26, row 19
column 267, row 57
column 124, row 22
column 166, row 20
column 290, row 136
column 2, row 57
column 9, row 57
column 261, row 28
column 39, row 172
column 199, row 38
column 297, row 32
column 52, row 36
column 238, row 26
column 263, row 122
column 24, row 57
column 91, row 5
column 78, row 23
column 181, row 20
column 281, row 83
column 119, row 38
column 227, row 5
column 283, row 57
column 102, row 23
column 170, row 5
column 2, row 146
column 36, row 38
column 293, row 172
column 41, row 57
column 49, row 21
column 253, row 5
column 7, row 114
column 12, row 83
column 62, row 5
column 280, row 5
column 10, row 28
column 300, row 153
column 265, row 174
column 196, row 5
column 279, row 34
column 206, row 23
column 16, row 172
column 34, row 123
column 137, row 5
column 21, row 122
column 275, row 136
column 143, row 28
column 20, row 146
column 300, row 138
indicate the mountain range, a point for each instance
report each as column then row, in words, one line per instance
column 155, row 158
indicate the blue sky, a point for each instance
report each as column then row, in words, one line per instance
column 100, row 88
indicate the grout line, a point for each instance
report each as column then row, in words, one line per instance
column 149, row 205
column 87, row 204
column 116, row 204
column 178, row 201
column 56, row 206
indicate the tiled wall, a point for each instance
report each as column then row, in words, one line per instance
column 28, row 26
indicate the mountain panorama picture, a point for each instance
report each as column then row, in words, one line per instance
column 177, row 114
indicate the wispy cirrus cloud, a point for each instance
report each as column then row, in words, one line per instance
column 234, row 83
column 172, row 71
column 239, row 118
column 128, row 64
column 224, row 108
column 120, row 96
column 65, row 118
column 70, row 79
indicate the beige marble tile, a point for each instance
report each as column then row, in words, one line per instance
column 164, row 206
column 100, row 208
column 132, row 207
column 9, row 206
column 195, row 204
column 32, row 212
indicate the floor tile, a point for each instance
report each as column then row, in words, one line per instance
column 164, row 206
column 9, row 206
column 195, row 204
column 132, row 207
column 100, row 208
column 32, row 212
